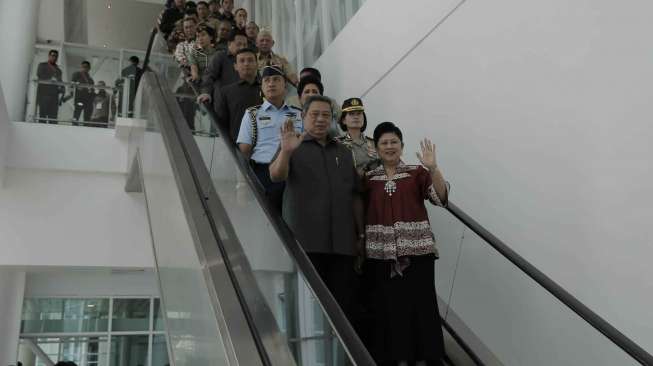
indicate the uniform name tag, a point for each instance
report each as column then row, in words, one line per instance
column 265, row 120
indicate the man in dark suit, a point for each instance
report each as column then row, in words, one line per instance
column 83, row 92
column 47, row 95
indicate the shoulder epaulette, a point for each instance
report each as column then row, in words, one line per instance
column 254, row 107
column 252, row 112
column 295, row 107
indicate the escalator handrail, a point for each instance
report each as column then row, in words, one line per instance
column 354, row 346
column 592, row 318
column 341, row 325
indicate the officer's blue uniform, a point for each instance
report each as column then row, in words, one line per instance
column 269, row 120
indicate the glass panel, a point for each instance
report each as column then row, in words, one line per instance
column 129, row 350
column 286, row 293
column 131, row 314
column 42, row 316
column 84, row 351
column 159, row 351
column 51, row 348
column 86, row 315
column 159, row 324
column 65, row 315
column 193, row 330
column 516, row 320
column 91, row 351
column 77, row 104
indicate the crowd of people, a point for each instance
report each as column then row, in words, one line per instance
column 352, row 203
column 94, row 103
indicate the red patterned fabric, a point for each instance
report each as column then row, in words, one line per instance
column 397, row 222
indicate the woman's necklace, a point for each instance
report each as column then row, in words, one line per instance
column 390, row 186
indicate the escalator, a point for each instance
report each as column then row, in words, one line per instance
column 238, row 290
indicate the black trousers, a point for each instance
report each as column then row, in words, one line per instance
column 48, row 108
column 337, row 272
column 273, row 190
column 83, row 105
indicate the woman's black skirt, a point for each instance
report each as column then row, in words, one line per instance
column 404, row 309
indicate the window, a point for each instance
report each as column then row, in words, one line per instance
column 131, row 314
column 114, row 331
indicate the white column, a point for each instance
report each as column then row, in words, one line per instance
column 325, row 23
column 4, row 136
column 12, row 290
column 18, row 20
column 275, row 23
column 258, row 12
column 299, row 34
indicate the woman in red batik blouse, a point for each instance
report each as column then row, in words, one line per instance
column 401, row 252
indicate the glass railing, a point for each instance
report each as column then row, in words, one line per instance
column 298, row 312
column 74, row 104
column 202, row 327
column 277, row 292
column 75, row 99
column 278, row 282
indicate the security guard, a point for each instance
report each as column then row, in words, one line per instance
column 260, row 128
column 354, row 121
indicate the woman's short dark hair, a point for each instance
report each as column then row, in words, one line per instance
column 306, row 81
column 387, row 127
column 312, row 71
column 343, row 126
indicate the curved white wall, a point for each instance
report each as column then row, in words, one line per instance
column 541, row 111
column 18, row 28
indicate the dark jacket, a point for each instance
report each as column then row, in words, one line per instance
column 83, row 92
column 45, row 71
column 318, row 200
column 168, row 19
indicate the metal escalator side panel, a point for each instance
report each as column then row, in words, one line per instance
column 205, row 320
column 271, row 343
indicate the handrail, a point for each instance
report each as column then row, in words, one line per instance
column 148, row 53
column 461, row 342
column 596, row 321
column 229, row 267
column 352, row 343
column 339, row 322
column 73, row 84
